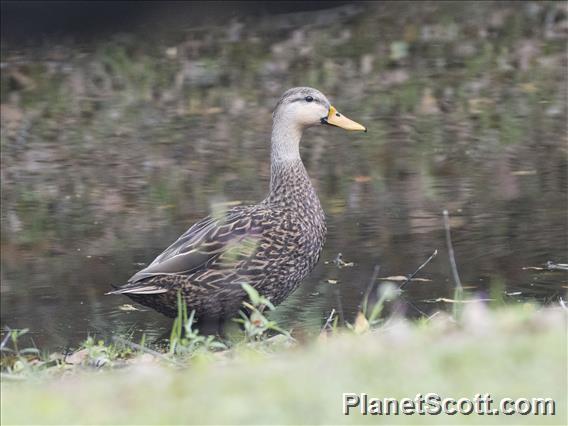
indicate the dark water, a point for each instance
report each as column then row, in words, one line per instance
column 110, row 150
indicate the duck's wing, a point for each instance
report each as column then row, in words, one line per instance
column 232, row 234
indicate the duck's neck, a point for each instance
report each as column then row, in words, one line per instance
column 290, row 184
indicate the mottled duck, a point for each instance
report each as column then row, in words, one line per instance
column 272, row 245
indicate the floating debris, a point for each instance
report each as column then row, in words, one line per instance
column 127, row 307
column 524, row 173
column 397, row 278
column 549, row 266
column 339, row 262
column 447, row 300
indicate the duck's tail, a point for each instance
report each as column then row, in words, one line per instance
column 116, row 289
column 137, row 288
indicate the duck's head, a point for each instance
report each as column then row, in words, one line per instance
column 307, row 107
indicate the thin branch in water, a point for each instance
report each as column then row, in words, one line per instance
column 432, row 256
column 398, row 309
column 5, row 340
column 433, row 315
column 451, row 252
column 417, row 309
column 329, row 319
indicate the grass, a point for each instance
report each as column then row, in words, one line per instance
column 512, row 352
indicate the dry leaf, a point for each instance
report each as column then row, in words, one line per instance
column 77, row 357
column 361, row 324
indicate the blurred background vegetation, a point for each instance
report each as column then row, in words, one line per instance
column 123, row 123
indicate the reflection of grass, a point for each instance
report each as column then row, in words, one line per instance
column 135, row 76
column 501, row 352
column 409, row 96
column 35, row 217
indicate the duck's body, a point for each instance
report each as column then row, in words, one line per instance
column 271, row 246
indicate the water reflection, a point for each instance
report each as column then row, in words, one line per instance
column 119, row 148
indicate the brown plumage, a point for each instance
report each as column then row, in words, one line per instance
column 272, row 245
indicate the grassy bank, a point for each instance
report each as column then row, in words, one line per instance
column 511, row 352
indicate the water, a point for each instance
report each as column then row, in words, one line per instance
column 116, row 148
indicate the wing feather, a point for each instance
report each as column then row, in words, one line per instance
column 227, row 235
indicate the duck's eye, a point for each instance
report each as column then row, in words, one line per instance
column 309, row 99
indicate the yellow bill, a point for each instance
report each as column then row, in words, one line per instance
column 336, row 119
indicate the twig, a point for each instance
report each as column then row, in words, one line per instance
column 432, row 316
column 329, row 319
column 5, row 340
column 447, row 300
column 417, row 309
column 398, row 309
column 451, row 251
column 145, row 349
column 432, row 256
